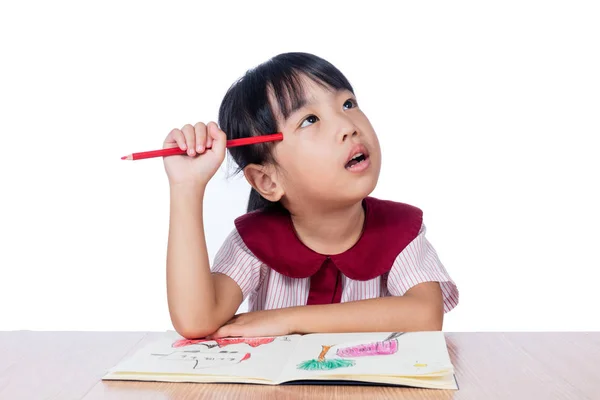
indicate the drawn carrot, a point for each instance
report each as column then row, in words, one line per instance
column 385, row 347
column 321, row 363
column 370, row 349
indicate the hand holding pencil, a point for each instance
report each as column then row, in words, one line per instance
column 206, row 140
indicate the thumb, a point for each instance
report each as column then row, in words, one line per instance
column 217, row 137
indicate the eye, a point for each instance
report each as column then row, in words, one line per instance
column 311, row 118
column 351, row 103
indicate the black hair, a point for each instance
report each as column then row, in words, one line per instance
column 245, row 110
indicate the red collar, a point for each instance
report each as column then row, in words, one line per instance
column 389, row 227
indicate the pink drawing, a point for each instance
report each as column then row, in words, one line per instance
column 385, row 347
column 370, row 349
column 222, row 342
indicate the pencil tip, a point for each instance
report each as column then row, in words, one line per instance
column 124, row 158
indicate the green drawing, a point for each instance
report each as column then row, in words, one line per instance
column 321, row 363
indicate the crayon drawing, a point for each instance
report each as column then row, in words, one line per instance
column 204, row 353
column 222, row 342
column 321, row 363
column 385, row 347
column 196, row 359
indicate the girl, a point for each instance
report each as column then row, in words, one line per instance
column 314, row 253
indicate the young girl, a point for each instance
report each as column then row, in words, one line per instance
column 314, row 253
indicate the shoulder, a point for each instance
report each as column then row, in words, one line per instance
column 237, row 261
column 395, row 212
column 260, row 230
column 234, row 245
column 396, row 223
column 418, row 262
column 260, row 219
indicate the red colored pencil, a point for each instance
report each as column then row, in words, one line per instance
column 174, row 151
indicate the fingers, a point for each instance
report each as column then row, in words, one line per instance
column 175, row 138
column 200, row 132
column 218, row 138
column 231, row 328
column 223, row 331
column 196, row 139
column 190, row 138
column 209, row 140
column 215, row 133
column 184, row 138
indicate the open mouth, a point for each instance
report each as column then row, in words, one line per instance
column 356, row 159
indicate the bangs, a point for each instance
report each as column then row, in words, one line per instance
column 289, row 92
column 288, row 87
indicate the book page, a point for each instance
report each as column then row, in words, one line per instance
column 177, row 359
column 415, row 354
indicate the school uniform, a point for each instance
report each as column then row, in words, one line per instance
column 274, row 269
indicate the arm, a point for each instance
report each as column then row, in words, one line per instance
column 420, row 309
column 199, row 302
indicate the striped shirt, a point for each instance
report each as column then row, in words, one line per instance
column 267, row 289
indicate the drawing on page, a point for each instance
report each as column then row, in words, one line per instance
column 196, row 359
column 203, row 353
column 222, row 342
column 322, row 363
column 385, row 347
column 382, row 348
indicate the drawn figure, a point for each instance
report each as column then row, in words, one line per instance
column 222, row 342
column 321, row 363
column 197, row 359
column 386, row 347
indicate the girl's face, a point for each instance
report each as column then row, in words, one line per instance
column 330, row 155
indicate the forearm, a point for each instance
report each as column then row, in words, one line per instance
column 384, row 314
column 190, row 288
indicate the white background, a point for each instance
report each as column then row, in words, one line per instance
column 488, row 116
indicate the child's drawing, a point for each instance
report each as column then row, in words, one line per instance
column 197, row 359
column 199, row 353
column 386, row 347
column 222, row 342
column 321, row 363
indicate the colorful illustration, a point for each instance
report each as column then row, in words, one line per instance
column 204, row 353
column 197, row 359
column 385, row 347
column 321, row 363
column 222, row 342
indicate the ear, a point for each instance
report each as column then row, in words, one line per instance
column 264, row 180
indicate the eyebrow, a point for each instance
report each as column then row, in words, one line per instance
column 301, row 104
column 304, row 102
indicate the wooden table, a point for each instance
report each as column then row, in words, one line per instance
column 70, row 365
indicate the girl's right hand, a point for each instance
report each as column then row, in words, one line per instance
column 201, row 162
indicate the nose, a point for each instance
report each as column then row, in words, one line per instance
column 345, row 128
column 346, row 136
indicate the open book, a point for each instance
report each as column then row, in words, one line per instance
column 418, row 359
